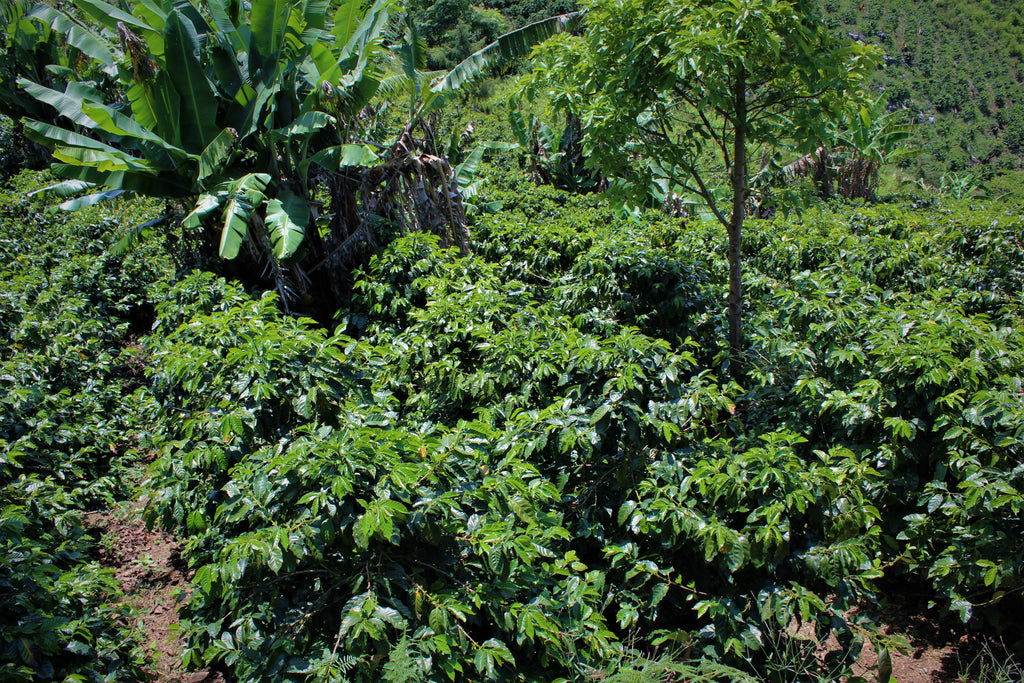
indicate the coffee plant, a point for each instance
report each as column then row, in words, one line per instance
column 929, row 391
column 527, row 464
column 69, row 376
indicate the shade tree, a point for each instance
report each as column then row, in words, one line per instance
column 678, row 92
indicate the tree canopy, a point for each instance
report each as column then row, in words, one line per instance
column 675, row 92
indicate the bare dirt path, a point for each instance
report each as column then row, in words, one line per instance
column 927, row 651
column 152, row 575
column 929, row 658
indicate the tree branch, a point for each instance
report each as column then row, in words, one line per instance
column 716, row 137
column 709, row 198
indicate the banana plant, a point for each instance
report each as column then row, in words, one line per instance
column 866, row 138
column 214, row 93
column 241, row 113
column 29, row 49
column 862, row 140
column 555, row 157
column 512, row 45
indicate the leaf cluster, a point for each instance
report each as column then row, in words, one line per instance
column 524, row 464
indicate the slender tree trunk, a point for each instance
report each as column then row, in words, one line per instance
column 739, row 200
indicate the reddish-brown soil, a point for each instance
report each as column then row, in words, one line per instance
column 152, row 575
column 936, row 650
column 921, row 650
column 929, row 658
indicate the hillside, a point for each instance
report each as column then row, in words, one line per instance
column 956, row 68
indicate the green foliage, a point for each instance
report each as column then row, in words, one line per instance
column 640, row 669
column 935, row 373
column 656, row 91
column 415, row 422
column 525, row 464
column 12, row 155
column 667, row 109
column 58, row 620
column 517, row 43
column 262, row 121
column 520, row 463
column 952, row 69
column 211, row 101
column 873, row 133
column 554, row 158
column 960, row 185
column 30, row 49
column 68, row 375
column 1013, row 134
column 455, row 28
column 523, row 12
column 504, row 465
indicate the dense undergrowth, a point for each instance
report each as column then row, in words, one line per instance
column 953, row 68
column 508, row 465
column 524, row 464
column 66, row 369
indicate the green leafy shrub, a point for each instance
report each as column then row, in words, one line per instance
column 69, row 396
column 519, row 464
column 929, row 391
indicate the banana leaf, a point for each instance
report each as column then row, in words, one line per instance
column 161, row 185
column 334, row 158
column 228, row 66
column 236, row 226
column 518, row 43
column 198, row 108
column 226, row 29
column 65, row 188
column 315, row 13
column 109, row 16
column 89, row 200
column 216, row 153
column 308, row 122
column 75, row 34
column 268, row 19
column 244, row 195
column 153, row 12
column 101, row 160
column 466, row 172
column 116, row 123
column 52, row 136
column 187, row 10
column 346, row 19
column 156, row 106
column 132, row 237
column 287, row 221
column 360, row 50
column 205, row 205
column 67, row 104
